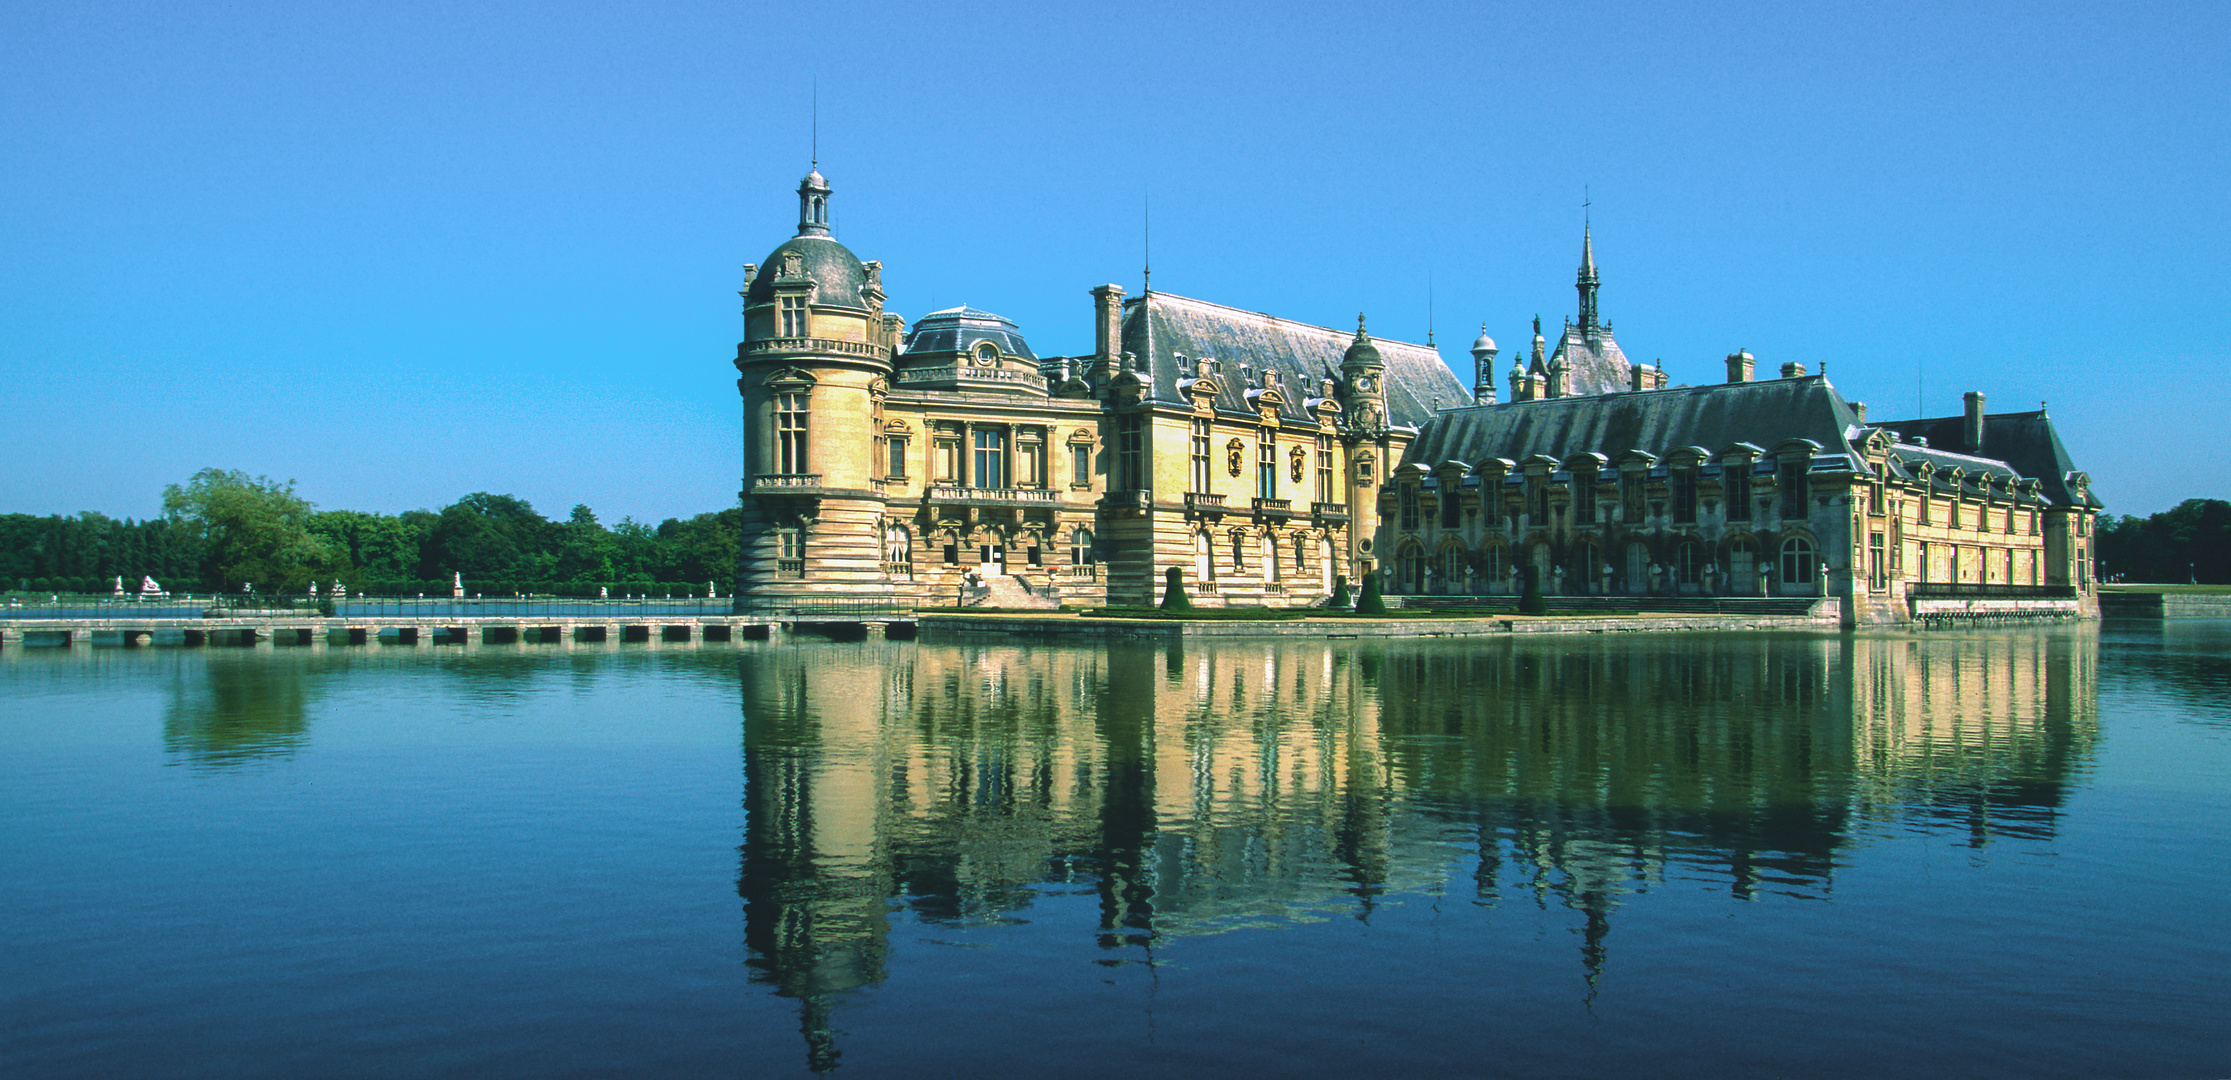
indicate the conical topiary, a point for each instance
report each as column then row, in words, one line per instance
column 1173, row 591
column 1340, row 598
column 1530, row 602
column 1371, row 603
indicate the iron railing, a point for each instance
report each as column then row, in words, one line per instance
column 1963, row 590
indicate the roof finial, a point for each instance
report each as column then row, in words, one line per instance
column 816, row 145
column 1361, row 335
column 1146, row 224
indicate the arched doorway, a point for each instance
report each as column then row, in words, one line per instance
column 1638, row 569
column 1742, row 568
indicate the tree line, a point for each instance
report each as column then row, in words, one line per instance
column 223, row 531
column 2188, row 543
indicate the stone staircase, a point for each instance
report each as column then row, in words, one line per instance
column 1007, row 591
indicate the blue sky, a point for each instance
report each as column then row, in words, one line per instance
column 403, row 252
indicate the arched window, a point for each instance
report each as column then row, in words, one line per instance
column 1797, row 562
column 898, row 552
column 1410, row 570
column 1742, row 568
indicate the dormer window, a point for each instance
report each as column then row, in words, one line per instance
column 987, row 354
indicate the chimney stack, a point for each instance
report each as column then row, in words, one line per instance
column 1859, row 413
column 1107, row 336
column 1793, row 370
column 1740, row 365
column 1971, row 426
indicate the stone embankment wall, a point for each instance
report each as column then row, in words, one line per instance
column 1824, row 617
column 2164, row 605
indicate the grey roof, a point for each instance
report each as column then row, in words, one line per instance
column 1598, row 368
column 1658, row 422
column 959, row 329
column 836, row 273
column 1245, row 343
column 2025, row 441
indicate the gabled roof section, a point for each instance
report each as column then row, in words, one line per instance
column 2025, row 441
column 1245, row 343
column 1656, row 422
column 1598, row 368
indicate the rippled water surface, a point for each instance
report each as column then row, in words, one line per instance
column 1958, row 854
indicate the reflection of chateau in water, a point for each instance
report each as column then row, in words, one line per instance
column 1203, row 790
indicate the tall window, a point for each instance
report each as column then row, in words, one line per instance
column 1452, row 489
column 1270, row 558
column 790, row 553
column 991, row 459
column 898, row 552
column 1409, row 499
column 1080, row 464
column 793, row 316
column 1080, row 547
column 949, row 460
column 1030, row 469
column 1684, row 496
column 1630, row 497
column 897, row 465
column 1537, row 500
column 790, row 432
column 1324, row 468
column 1131, row 452
column 1878, row 569
column 1735, row 476
column 1797, row 562
column 1266, row 465
column 1793, row 489
column 1201, row 454
column 1452, row 570
column 1688, row 564
column 1584, row 495
column 1491, row 498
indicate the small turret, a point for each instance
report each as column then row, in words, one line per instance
column 1483, row 368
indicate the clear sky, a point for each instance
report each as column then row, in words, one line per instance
column 402, row 252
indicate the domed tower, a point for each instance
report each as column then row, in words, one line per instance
column 1483, row 368
column 1364, row 396
column 815, row 364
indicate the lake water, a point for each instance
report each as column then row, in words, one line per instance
column 1950, row 854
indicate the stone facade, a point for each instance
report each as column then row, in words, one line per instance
column 892, row 464
column 1775, row 487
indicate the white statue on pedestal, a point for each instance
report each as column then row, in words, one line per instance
column 457, row 585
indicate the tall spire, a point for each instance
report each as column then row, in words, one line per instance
column 1587, row 282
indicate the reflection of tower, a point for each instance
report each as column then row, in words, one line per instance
column 813, row 877
column 1124, row 847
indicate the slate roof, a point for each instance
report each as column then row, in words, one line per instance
column 1598, row 369
column 959, row 329
column 1246, row 342
column 1657, row 422
column 2025, row 441
column 835, row 271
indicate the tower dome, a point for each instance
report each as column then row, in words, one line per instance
column 1361, row 353
column 838, row 278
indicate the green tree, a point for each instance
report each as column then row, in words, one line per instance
column 251, row 529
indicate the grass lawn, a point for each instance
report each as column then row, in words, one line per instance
column 2198, row 590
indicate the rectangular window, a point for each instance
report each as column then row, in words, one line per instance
column 790, row 432
column 1925, row 506
column 790, row 554
column 1878, row 570
column 1201, row 457
column 1080, row 464
column 1630, row 497
column 1409, row 497
column 793, row 316
column 1030, row 460
column 1537, row 500
column 1584, row 497
column 1952, row 513
column 1324, row 469
column 1491, row 498
column 1131, row 452
column 897, row 465
column 1794, row 489
column 1684, row 496
column 1266, row 465
column 1452, row 490
column 1735, row 476
column 991, row 459
column 1874, row 499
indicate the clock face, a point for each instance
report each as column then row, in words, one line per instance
column 1363, row 383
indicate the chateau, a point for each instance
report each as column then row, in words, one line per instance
column 945, row 461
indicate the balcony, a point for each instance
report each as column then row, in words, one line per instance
column 814, row 345
column 1273, row 509
column 1127, row 500
column 1203, row 504
column 1325, row 512
column 786, row 484
column 1968, row 590
column 993, row 497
